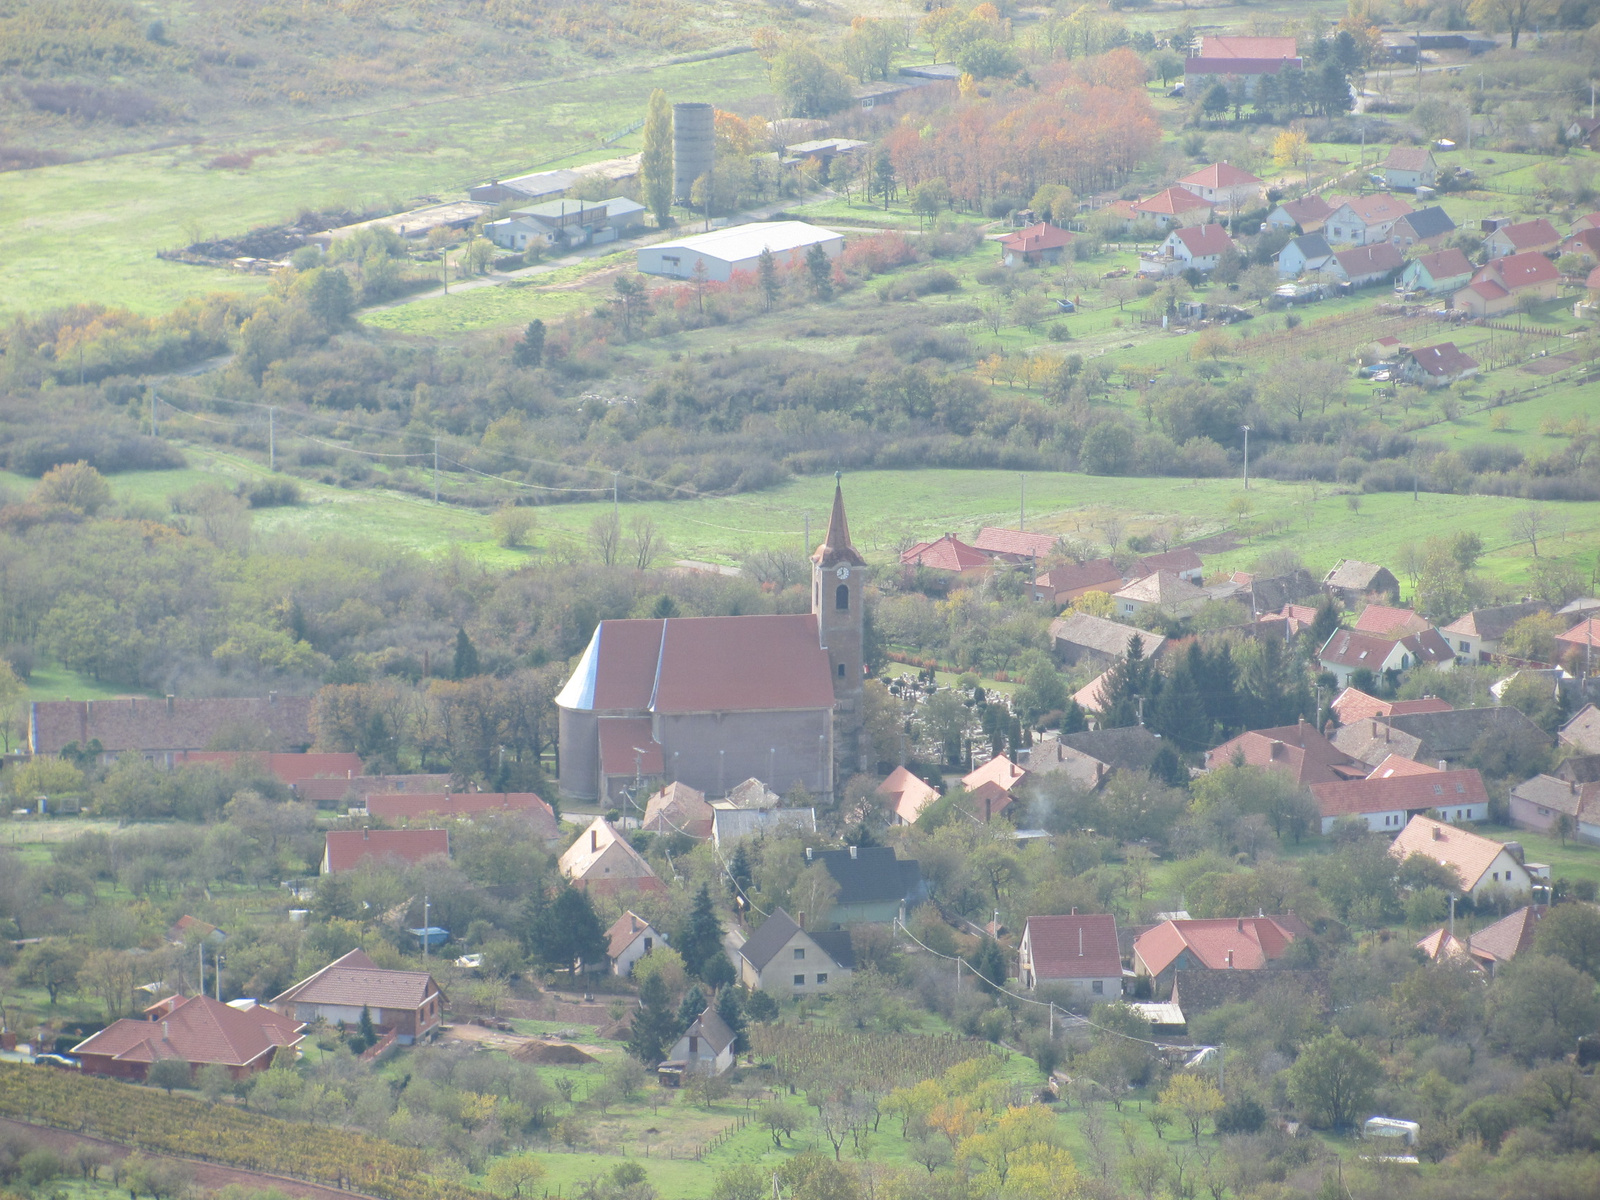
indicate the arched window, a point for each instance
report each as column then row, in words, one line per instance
column 841, row 597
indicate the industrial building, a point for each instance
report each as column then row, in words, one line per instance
column 724, row 251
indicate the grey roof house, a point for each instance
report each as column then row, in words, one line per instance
column 874, row 885
column 1451, row 735
column 783, row 958
column 1080, row 637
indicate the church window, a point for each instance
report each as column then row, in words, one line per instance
column 841, row 597
column 841, row 670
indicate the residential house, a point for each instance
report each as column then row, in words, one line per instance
column 1224, row 185
column 906, row 796
column 1349, row 650
column 992, row 787
column 1062, row 585
column 1363, row 220
column 288, row 769
column 1437, row 366
column 629, row 939
column 601, row 859
column 1195, row 247
column 1583, row 131
column 1290, row 621
column 1015, row 545
column 875, row 887
column 1352, row 705
column 679, row 808
column 1591, row 286
column 1409, row 167
column 705, row 1048
column 1495, row 945
column 1306, row 255
column 1439, row 273
column 1305, row 215
column 1219, row 944
column 1351, row 582
column 1078, row 636
column 1587, row 221
column 1481, row 864
column 1091, row 696
column 188, row 930
column 1581, row 640
column 1388, row 802
column 195, row 1030
column 346, row 849
column 1276, row 593
column 785, row 959
column 1539, row 803
column 1451, row 736
column 424, row 806
column 1163, row 590
column 1184, row 562
column 408, row 1003
column 161, row 731
column 1174, row 207
column 1245, row 59
column 1364, row 266
column 1382, row 350
column 1299, row 751
column 731, row 824
column 1442, row 946
column 353, row 792
column 1089, row 757
column 1035, row 245
column 1585, row 243
column 1582, row 731
column 1390, row 621
column 1426, row 227
column 1476, row 636
column 1501, row 285
column 752, row 793
column 948, row 553
column 1075, row 952
column 1525, row 237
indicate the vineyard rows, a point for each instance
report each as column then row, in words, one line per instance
column 143, row 1117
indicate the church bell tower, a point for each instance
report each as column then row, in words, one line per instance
column 838, row 586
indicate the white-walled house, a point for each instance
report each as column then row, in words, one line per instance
column 1388, row 803
column 629, row 939
column 1076, row 952
column 1481, row 864
column 705, row 1048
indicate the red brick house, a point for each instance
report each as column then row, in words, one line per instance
column 196, row 1030
column 409, row 1003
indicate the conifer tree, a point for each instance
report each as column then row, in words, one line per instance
column 700, row 937
column 652, row 1033
column 655, row 159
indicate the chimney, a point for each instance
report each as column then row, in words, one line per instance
column 852, row 852
column 808, row 853
column 366, row 832
column 1443, row 766
column 1230, row 960
column 1386, row 734
column 1301, row 729
column 1374, row 726
column 800, row 919
column 1438, row 834
column 594, row 840
column 1239, row 925
column 166, row 1030
column 1074, row 912
column 1573, row 787
column 1080, row 941
column 170, row 705
column 272, row 697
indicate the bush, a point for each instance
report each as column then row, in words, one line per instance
column 270, row 493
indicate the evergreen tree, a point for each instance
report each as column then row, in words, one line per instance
column 1073, row 718
column 1168, row 767
column 1221, row 696
column 691, row 1006
column 988, row 963
column 655, row 159
column 369, row 1035
column 821, row 268
column 466, row 664
column 566, row 932
column 740, row 879
column 530, row 350
column 700, row 937
column 652, row 1033
column 767, row 271
column 730, row 1007
column 718, row 971
column 1325, row 622
column 1179, row 714
column 1128, row 680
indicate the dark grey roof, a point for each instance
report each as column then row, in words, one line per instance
column 773, row 936
column 835, row 943
column 871, row 874
column 1132, row 748
column 1580, row 768
column 1272, row 595
column 1312, row 245
column 1429, row 222
column 1199, row 992
column 1450, row 735
column 713, row 1028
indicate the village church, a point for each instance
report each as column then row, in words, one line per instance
column 713, row 701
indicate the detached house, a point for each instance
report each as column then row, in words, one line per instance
column 628, row 940
column 1305, row 215
column 1173, row 207
column 1585, row 243
column 705, row 1048
column 1223, row 185
column 1362, row 220
column 1198, row 248
column 1363, row 266
column 1499, row 286
column 1308, row 253
column 874, row 885
column 1480, row 864
column 1299, row 751
column 1476, row 636
column 196, row 1031
column 1437, row 274
column 679, row 808
column 1035, row 245
column 1184, row 562
column 948, row 553
column 782, row 958
column 1386, row 803
column 1220, row 944
column 1524, row 237
column 906, row 795
column 1164, row 589
column 1349, row 650
column 1062, row 585
column 1352, row 582
column 1246, row 59
column 602, row 859
column 1079, row 636
column 409, row 1003
column 1538, row 803
column 1409, row 167
column 1075, row 952
column 1425, row 227
column 1352, row 705
column 1437, row 366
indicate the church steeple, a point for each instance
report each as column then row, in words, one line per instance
column 836, row 546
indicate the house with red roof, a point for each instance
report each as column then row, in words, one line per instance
column 1476, row 636
column 346, row 849
column 1480, row 864
column 1062, row 585
column 1585, row 243
column 290, row 769
column 1537, row 236
column 1299, row 751
column 1409, row 167
column 1437, row 366
column 1174, row 206
column 906, row 795
column 1397, row 764
column 679, row 808
column 1582, row 640
column 1587, row 221
column 407, row 1003
column 195, row 1030
column 1388, row 619
column 1304, row 215
column 1363, row 220
column 602, row 860
column 1184, row 562
column 1218, row 944
column 1352, row 705
column 1035, row 245
column 423, row 806
column 1349, row 650
column 1162, row 589
column 1077, row 952
column 1015, row 545
column 1364, row 266
column 1196, row 247
column 947, row 553
column 991, row 788
column 1223, row 185
column 629, row 939
column 1500, row 285
column 1386, row 803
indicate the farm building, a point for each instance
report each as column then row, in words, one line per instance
column 724, row 251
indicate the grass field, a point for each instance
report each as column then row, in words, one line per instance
column 89, row 231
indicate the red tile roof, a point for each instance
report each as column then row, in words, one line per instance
column 625, row 930
column 993, row 540
column 1509, row 936
column 907, row 794
column 1584, row 633
column 347, row 847
column 1383, row 618
column 1592, row 280
column 1171, row 201
column 1397, row 764
column 1252, row 942
column 289, row 768
column 196, row 1030
column 355, row 981
column 947, row 553
column 1300, row 750
column 1529, row 235
column 1308, row 208
column 1074, row 947
column 157, row 726
column 1399, row 792
column 1352, row 648
column 1034, row 238
column 1375, row 209
column 1237, row 66
column 679, row 808
column 1227, row 45
column 1074, row 576
column 1443, row 361
column 1584, row 241
column 1464, row 852
column 1204, row 240
column 1408, row 158
column 1222, row 175
column 1000, row 770
column 988, row 800
column 1517, row 271
column 1445, row 264
column 1366, row 260
column 411, row 806
column 1184, row 558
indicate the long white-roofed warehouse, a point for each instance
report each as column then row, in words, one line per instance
column 738, row 248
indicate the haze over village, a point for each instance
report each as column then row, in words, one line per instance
column 794, row 601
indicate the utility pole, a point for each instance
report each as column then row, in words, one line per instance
column 1246, row 429
column 201, row 947
column 272, row 439
column 436, row 470
column 425, row 907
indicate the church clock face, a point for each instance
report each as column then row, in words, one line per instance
column 843, row 572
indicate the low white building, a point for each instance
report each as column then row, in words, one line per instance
column 628, row 940
column 705, row 1048
column 738, row 248
column 1481, row 864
